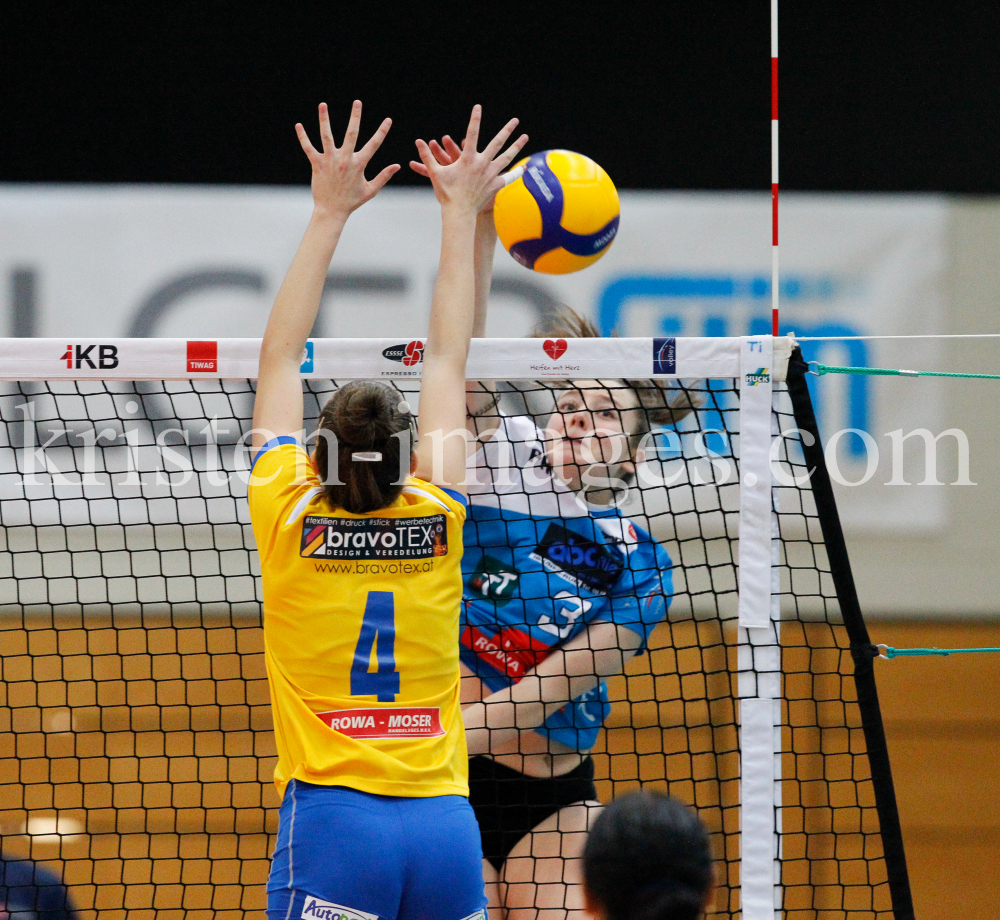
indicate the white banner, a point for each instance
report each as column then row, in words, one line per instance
column 93, row 264
column 345, row 359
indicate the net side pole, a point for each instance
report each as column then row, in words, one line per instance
column 861, row 647
column 759, row 649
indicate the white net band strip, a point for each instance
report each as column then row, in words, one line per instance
column 396, row 358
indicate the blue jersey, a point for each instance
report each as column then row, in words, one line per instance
column 540, row 566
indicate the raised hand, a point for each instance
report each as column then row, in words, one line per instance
column 338, row 173
column 462, row 176
column 445, row 153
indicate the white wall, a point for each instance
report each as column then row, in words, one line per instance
column 954, row 572
column 923, row 264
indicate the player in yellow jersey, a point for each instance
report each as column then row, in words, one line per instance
column 360, row 549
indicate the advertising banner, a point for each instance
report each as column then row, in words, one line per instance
column 90, row 265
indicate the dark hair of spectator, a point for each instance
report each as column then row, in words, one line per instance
column 648, row 857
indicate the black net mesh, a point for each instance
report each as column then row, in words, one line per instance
column 136, row 750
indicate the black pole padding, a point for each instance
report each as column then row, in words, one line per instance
column 861, row 646
column 864, row 652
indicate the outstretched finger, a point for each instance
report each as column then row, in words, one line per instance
column 383, row 177
column 325, row 134
column 426, row 157
column 510, row 154
column 454, row 151
column 497, row 184
column 494, row 146
column 440, row 155
column 472, row 132
column 375, row 141
column 307, row 147
column 419, row 169
column 353, row 127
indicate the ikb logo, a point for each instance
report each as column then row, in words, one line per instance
column 761, row 375
column 77, row 356
column 315, row 909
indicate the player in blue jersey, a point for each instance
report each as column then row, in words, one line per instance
column 560, row 591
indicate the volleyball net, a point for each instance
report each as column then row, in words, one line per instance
column 136, row 743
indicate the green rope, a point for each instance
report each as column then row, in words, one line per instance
column 822, row 369
column 913, row 652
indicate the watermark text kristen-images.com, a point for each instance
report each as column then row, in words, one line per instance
column 662, row 461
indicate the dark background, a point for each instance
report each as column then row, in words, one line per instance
column 875, row 95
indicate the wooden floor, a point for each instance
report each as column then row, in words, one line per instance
column 154, row 746
column 942, row 720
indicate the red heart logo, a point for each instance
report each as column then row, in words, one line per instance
column 554, row 348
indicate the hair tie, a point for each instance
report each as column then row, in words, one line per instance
column 367, row 456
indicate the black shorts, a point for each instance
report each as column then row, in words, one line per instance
column 509, row 805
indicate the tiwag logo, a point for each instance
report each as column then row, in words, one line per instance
column 77, row 356
column 409, row 354
column 315, row 909
column 203, row 357
column 761, row 375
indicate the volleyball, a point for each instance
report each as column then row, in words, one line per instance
column 561, row 215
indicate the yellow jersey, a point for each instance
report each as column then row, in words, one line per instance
column 361, row 632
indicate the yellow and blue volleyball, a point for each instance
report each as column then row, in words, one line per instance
column 561, row 215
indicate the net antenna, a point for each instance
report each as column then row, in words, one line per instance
column 136, row 709
column 774, row 167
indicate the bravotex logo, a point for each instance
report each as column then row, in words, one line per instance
column 315, row 909
column 374, row 538
column 105, row 357
column 203, row 357
column 761, row 375
column 409, row 354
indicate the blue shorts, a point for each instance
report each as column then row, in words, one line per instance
column 348, row 855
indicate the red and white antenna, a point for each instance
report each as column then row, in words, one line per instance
column 774, row 167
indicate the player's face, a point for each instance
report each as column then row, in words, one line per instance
column 589, row 430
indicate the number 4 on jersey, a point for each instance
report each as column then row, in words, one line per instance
column 377, row 629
